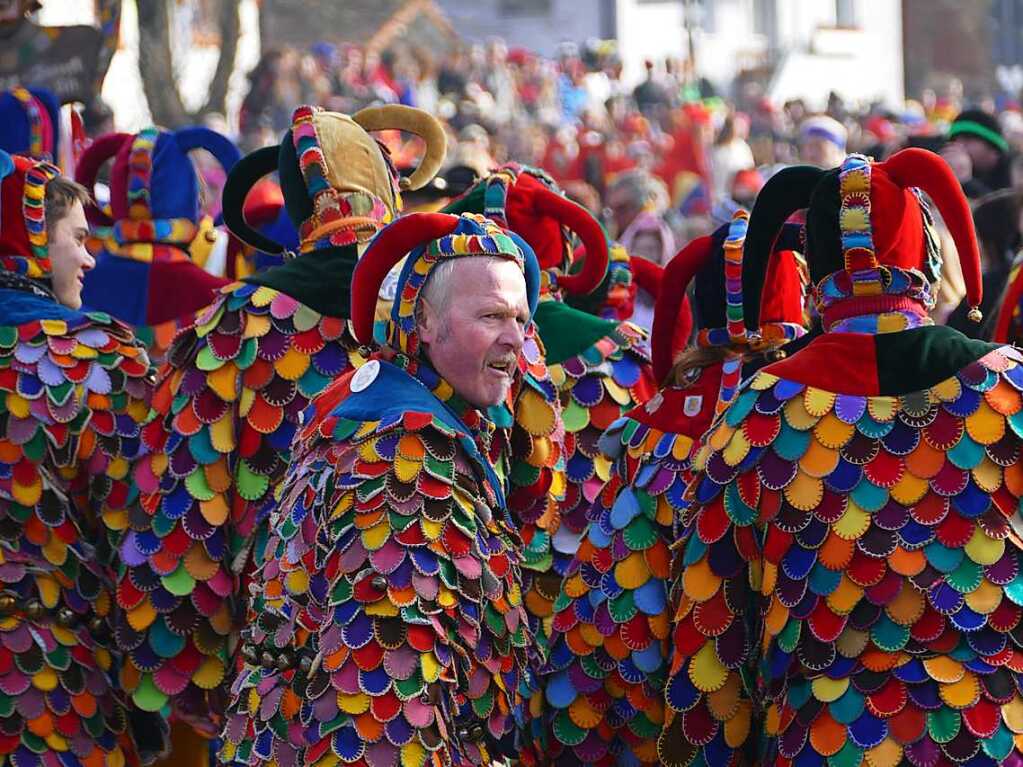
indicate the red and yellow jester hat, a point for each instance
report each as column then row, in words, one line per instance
column 868, row 243
column 715, row 262
column 428, row 239
column 23, row 238
column 529, row 203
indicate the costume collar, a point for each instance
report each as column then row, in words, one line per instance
column 882, row 299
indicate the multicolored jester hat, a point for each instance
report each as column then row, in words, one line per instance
column 611, row 645
column 848, row 586
column 144, row 274
column 393, row 629
column 229, row 400
column 30, row 123
column 73, row 395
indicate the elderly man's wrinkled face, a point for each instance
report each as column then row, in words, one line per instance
column 474, row 326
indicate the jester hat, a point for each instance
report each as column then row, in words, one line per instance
column 263, row 210
column 30, row 123
column 528, row 202
column 714, row 263
column 868, row 237
column 428, row 239
column 23, row 237
column 338, row 182
column 154, row 189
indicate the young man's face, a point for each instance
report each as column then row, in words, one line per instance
column 68, row 256
column 474, row 341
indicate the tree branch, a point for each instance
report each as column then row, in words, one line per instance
column 230, row 24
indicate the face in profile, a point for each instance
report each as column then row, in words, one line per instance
column 473, row 338
column 69, row 257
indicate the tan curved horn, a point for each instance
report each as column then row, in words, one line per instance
column 411, row 120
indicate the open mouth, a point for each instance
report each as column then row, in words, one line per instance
column 504, row 367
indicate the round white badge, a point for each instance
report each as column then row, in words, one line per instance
column 365, row 375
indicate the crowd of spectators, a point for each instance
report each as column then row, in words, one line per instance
column 661, row 161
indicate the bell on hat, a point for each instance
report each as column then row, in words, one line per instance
column 30, row 123
column 869, row 247
column 338, row 183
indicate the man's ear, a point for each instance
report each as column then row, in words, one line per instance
column 427, row 322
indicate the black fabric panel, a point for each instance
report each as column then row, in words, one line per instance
column 917, row 359
column 321, row 280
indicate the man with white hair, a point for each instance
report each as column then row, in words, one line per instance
column 392, row 614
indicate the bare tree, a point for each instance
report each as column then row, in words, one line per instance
column 156, row 63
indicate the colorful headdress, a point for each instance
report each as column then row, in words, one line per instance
column 715, row 262
column 428, row 239
column 527, row 201
column 339, row 184
column 30, row 123
column 23, row 236
column 869, row 243
column 154, row 190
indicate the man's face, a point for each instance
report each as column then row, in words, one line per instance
column 648, row 245
column 815, row 150
column 474, row 341
column 68, row 256
column 623, row 209
column 984, row 156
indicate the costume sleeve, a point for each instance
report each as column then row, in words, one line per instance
column 611, row 643
column 225, row 412
column 390, row 627
column 72, row 395
column 718, row 578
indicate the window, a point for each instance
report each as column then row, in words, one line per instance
column 845, row 13
column 525, row 7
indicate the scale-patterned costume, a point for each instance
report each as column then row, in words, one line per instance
column 227, row 406
column 849, row 581
column 144, row 273
column 391, row 628
column 611, row 647
column 73, row 394
column 30, row 123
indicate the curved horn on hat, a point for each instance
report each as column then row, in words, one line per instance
column 786, row 191
column 672, row 299
column 390, row 246
column 243, row 176
column 579, row 220
column 218, row 145
column 410, row 120
column 646, row 274
column 926, row 170
column 101, row 150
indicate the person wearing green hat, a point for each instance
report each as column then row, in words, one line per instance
column 978, row 153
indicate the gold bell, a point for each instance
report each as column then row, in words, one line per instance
column 975, row 314
column 66, row 617
column 7, row 604
column 284, row 661
column 34, row 609
column 268, row 659
column 250, row 654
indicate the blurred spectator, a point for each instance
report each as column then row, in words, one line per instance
column 978, row 153
column 730, row 154
column 822, row 141
column 631, row 193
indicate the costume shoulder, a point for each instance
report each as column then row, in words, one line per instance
column 390, row 589
column 73, row 392
column 226, row 408
column 820, row 517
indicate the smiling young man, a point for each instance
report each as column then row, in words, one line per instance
column 74, row 388
column 392, row 628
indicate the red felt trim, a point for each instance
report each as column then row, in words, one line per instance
column 845, row 363
column 179, row 288
column 1009, row 304
column 670, row 416
column 855, row 307
column 671, row 303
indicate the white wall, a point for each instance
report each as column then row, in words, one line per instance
column 573, row 20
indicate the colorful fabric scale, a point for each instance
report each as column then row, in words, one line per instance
column 226, row 409
column 849, row 588
column 596, row 386
column 392, row 629
column 73, row 395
